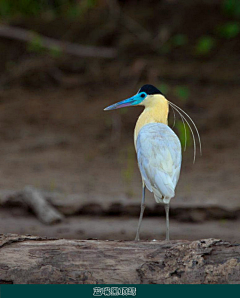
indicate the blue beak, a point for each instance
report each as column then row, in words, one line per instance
column 122, row 104
column 132, row 101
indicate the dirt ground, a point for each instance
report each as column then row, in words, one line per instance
column 60, row 140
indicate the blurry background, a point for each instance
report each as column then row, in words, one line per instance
column 55, row 136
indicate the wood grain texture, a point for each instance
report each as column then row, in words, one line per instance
column 29, row 259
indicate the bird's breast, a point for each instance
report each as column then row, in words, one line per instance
column 159, row 158
column 150, row 115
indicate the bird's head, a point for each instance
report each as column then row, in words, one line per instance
column 146, row 96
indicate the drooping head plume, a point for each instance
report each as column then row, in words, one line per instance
column 145, row 96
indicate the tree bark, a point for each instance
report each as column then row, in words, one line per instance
column 36, row 260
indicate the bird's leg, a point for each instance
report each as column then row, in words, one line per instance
column 141, row 214
column 167, row 220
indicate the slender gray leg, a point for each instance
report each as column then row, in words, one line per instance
column 141, row 214
column 167, row 221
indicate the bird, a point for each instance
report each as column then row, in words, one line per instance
column 158, row 148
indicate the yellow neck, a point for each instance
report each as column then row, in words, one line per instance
column 156, row 110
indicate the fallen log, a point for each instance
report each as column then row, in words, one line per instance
column 29, row 260
column 75, row 204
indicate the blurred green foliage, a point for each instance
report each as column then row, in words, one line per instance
column 128, row 161
column 165, row 48
column 184, row 133
column 181, row 133
column 22, row 7
column 228, row 30
column 164, row 88
column 129, row 164
column 204, row 45
column 55, row 52
column 74, row 10
column 176, row 41
column 65, row 8
column 179, row 40
column 35, row 45
column 182, row 92
column 231, row 8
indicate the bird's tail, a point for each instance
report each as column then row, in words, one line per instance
column 162, row 200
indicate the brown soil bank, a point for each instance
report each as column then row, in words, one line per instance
column 56, row 137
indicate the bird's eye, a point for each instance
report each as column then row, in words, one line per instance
column 142, row 95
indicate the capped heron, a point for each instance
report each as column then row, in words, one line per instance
column 157, row 146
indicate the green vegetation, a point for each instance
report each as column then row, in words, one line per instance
column 231, row 8
column 204, row 45
column 179, row 40
column 63, row 8
column 35, row 45
column 76, row 9
column 165, row 48
column 182, row 92
column 182, row 134
column 21, row 7
column 228, row 30
column 129, row 164
column 164, row 88
column 55, row 52
column 176, row 41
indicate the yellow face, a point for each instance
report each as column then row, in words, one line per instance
column 156, row 110
column 153, row 100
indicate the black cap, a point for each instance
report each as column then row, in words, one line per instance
column 149, row 89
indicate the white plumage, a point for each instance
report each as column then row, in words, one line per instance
column 159, row 159
column 158, row 148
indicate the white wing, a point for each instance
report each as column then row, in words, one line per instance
column 159, row 159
